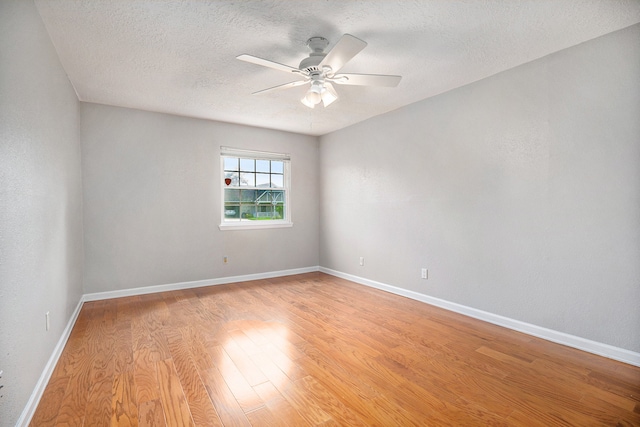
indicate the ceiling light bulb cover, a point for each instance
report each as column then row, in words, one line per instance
column 313, row 97
column 329, row 94
column 306, row 102
column 314, row 94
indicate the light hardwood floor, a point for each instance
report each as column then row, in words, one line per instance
column 313, row 350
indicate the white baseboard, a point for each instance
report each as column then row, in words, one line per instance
column 196, row 284
column 605, row 350
column 30, row 409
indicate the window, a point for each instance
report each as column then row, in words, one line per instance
column 255, row 189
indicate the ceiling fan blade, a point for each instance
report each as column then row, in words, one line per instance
column 366, row 80
column 347, row 47
column 266, row 63
column 280, row 87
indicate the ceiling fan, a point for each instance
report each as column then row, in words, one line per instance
column 320, row 70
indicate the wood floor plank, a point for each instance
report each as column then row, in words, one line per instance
column 304, row 403
column 349, row 388
column 263, row 417
column 174, row 403
column 78, row 365
column 48, row 410
column 124, row 409
column 200, row 405
column 277, row 404
column 237, row 334
column 243, row 361
column 75, row 351
column 72, row 406
column 99, row 403
column 144, row 371
column 244, row 394
column 223, row 399
column 151, row 414
column 316, row 350
column 331, row 403
column 613, row 415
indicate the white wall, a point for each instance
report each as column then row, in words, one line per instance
column 520, row 193
column 40, row 203
column 152, row 197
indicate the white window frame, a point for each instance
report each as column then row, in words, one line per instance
column 248, row 224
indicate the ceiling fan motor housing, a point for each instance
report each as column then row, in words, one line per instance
column 317, row 46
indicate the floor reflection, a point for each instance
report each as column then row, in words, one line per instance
column 260, row 352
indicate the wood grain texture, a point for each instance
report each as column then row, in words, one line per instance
column 315, row 350
column 124, row 409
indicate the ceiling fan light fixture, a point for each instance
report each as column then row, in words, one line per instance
column 314, row 94
column 313, row 97
column 306, row 102
column 329, row 94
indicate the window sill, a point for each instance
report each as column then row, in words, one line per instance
column 254, row 225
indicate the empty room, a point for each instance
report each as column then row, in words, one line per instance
column 279, row 213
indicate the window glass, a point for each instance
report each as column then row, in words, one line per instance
column 231, row 196
column 262, row 180
column 248, row 196
column 230, row 164
column 233, row 177
column 263, row 166
column 247, row 179
column 247, row 165
column 277, row 167
column 277, row 181
column 231, row 211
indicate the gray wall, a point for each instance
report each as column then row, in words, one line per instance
column 152, row 197
column 40, row 203
column 520, row 193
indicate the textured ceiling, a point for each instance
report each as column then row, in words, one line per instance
column 179, row 56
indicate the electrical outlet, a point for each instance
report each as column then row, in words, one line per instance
column 361, row 260
column 425, row 273
column 225, row 260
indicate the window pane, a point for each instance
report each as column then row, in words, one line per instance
column 263, row 197
column 231, row 211
column 277, row 167
column 267, row 205
column 270, row 205
column 262, row 166
column 277, row 201
column 234, row 178
column 262, row 180
column 277, row 197
column 247, row 179
column 277, row 181
column 231, row 163
column 248, row 196
column 248, row 211
column 267, row 213
column 231, row 196
column 247, row 165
